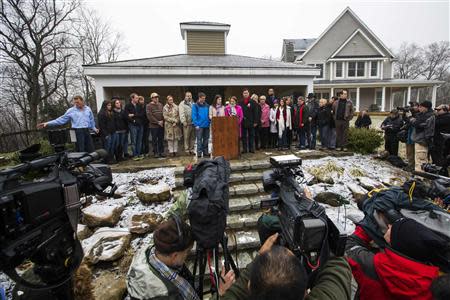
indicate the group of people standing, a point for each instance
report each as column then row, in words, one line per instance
column 264, row 123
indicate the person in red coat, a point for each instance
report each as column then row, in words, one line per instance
column 403, row 270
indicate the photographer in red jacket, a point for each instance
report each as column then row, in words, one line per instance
column 402, row 270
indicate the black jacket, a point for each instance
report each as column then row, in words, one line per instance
column 121, row 120
column 392, row 126
column 258, row 115
column 441, row 125
column 324, row 117
column 138, row 111
column 313, row 108
column 296, row 117
column 106, row 123
column 250, row 112
column 363, row 122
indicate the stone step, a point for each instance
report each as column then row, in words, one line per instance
column 237, row 166
column 235, row 178
column 243, row 220
column 240, row 189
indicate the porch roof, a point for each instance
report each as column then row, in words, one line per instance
column 350, row 83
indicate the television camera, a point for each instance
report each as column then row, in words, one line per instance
column 305, row 228
column 39, row 216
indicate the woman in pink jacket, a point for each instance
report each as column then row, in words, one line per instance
column 233, row 109
column 265, row 122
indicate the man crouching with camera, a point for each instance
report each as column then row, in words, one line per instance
column 277, row 274
column 159, row 271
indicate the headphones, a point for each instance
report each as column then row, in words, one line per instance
column 181, row 243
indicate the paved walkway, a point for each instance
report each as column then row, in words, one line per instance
column 248, row 158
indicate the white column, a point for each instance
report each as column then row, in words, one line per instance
column 331, row 70
column 99, row 95
column 391, row 100
column 418, row 95
column 408, row 96
column 433, row 95
column 383, row 98
column 331, row 92
column 381, row 69
column 357, row 99
column 309, row 88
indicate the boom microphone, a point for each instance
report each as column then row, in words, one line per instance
column 93, row 156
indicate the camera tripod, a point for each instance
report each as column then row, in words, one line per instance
column 211, row 257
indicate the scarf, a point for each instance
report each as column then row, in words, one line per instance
column 183, row 286
column 218, row 107
column 281, row 118
column 300, row 114
column 233, row 110
column 246, row 100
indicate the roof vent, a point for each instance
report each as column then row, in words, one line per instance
column 205, row 38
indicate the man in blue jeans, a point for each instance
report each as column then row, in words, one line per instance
column 133, row 113
column 82, row 119
column 201, row 121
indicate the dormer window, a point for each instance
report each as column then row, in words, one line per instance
column 374, row 69
column 339, row 69
column 356, row 69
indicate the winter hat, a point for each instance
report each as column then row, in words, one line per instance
column 167, row 239
column 310, row 96
column 415, row 240
column 426, row 104
column 275, row 101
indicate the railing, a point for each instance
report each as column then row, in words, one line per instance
column 14, row 141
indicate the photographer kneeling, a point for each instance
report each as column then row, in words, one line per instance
column 277, row 274
column 159, row 271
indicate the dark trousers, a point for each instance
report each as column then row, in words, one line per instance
column 202, row 135
column 257, row 137
column 391, row 143
column 121, row 137
column 324, row 132
column 157, row 140
column 84, row 140
column 264, row 137
column 136, row 132
column 145, row 144
column 282, row 142
column 288, row 137
column 341, row 133
column 273, row 139
column 302, row 137
column 313, row 136
column 248, row 139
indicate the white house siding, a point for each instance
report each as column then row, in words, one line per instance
column 358, row 45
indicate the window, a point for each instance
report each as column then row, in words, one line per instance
column 320, row 66
column 373, row 69
column 339, row 69
column 356, row 69
column 378, row 98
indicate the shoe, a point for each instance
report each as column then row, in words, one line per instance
column 206, row 154
column 252, row 151
column 162, row 155
column 344, row 149
column 199, row 156
column 156, row 155
column 174, row 154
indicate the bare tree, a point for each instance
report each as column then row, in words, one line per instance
column 32, row 36
column 436, row 60
column 409, row 64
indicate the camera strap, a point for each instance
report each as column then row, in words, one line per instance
column 73, row 204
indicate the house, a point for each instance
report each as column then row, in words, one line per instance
column 351, row 56
column 205, row 66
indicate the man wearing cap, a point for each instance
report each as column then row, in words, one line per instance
column 185, row 110
column 404, row 269
column 156, row 124
column 410, row 153
column 423, row 132
column 159, row 271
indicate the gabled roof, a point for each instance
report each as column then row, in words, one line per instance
column 351, row 12
column 357, row 31
column 204, row 23
column 299, row 44
column 201, row 61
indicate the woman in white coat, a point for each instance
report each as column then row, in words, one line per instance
column 273, row 125
column 283, row 117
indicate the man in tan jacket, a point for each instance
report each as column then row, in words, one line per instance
column 185, row 110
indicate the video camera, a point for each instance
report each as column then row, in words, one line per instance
column 39, row 216
column 305, row 228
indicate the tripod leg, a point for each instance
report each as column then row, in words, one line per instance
column 217, row 278
column 194, row 271
column 229, row 262
column 201, row 274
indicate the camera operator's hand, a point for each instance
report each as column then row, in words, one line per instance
column 226, row 281
column 41, row 125
column 271, row 240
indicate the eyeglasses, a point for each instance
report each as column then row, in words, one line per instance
column 438, row 109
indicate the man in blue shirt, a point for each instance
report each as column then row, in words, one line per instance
column 82, row 119
column 201, row 121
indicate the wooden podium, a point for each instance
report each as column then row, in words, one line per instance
column 225, row 137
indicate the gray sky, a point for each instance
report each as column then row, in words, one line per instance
column 151, row 27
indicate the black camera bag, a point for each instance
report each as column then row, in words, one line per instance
column 208, row 207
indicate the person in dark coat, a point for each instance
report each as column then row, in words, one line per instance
column 107, row 128
column 363, row 120
column 324, row 118
column 249, row 109
column 391, row 126
column 332, row 140
column 255, row 99
column 145, row 129
column 121, row 130
column 135, row 126
column 403, row 269
column 439, row 150
column 271, row 98
column 301, row 122
column 313, row 108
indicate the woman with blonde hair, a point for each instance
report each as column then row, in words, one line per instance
column 172, row 132
column 233, row 109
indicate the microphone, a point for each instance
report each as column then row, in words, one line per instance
column 87, row 159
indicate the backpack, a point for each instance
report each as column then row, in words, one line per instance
column 208, row 207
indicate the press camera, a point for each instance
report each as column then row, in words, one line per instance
column 39, row 211
column 305, row 228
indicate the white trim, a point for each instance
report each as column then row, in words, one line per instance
column 408, row 95
column 381, row 69
column 225, row 41
column 392, row 70
column 185, row 42
column 433, row 95
column 197, row 71
column 356, row 59
column 391, row 100
column 331, row 71
column 418, row 83
column 347, row 9
column 331, row 92
column 189, row 27
column 357, row 98
column 351, row 37
column 383, row 98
